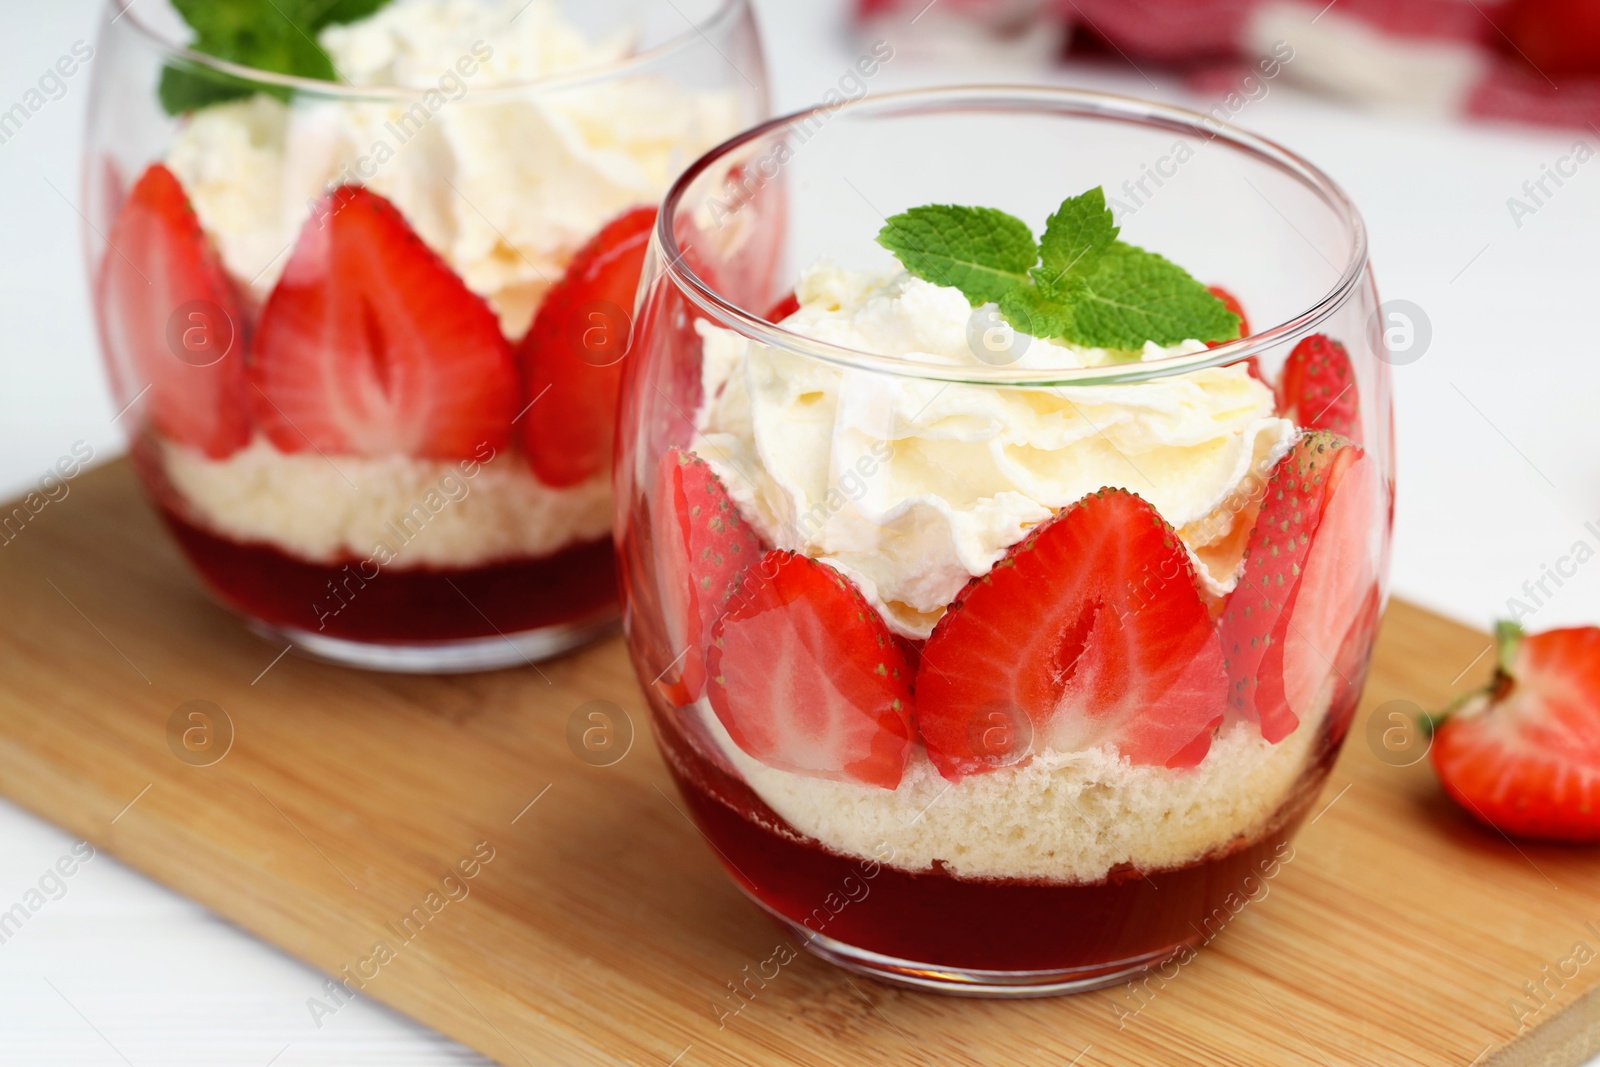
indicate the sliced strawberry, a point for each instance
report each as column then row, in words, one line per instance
column 572, row 357
column 1523, row 755
column 703, row 548
column 912, row 650
column 1352, row 662
column 1340, row 576
column 1257, row 617
column 784, row 308
column 170, row 321
column 1230, row 302
column 1317, row 388
column 805, row 677
column 1090, row 630
column 1252, row 365
column 370, row 345
column 668, row 384
column 106, row 186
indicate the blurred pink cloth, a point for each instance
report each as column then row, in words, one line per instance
column 1535, row 61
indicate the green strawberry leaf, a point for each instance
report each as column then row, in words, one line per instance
column 983, row 252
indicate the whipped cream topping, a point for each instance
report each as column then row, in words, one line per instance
column 506, row 186
column 913, row 487
column 411, row 42
column 424, row 513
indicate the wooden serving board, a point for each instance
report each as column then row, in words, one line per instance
column 602, row 930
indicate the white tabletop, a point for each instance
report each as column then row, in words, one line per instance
column 1499, row 471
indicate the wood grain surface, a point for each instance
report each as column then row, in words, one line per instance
column 597, row 927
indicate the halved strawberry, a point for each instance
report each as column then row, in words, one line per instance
column 1317, row 388
column 1338, row 585
column 106, row 186
column 1523, row 755
column 805, row 677
column 784, row 308
column 912, row 649
column 1352, row 662
column 371, row 345
column 169, row 319
column 1231, row 302
column 1256, row 620
column 703, row 548
column 1090, row 630
column 572, row 357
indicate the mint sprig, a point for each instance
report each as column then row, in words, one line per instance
column 1078, row 283
column 1075, row 237
column 271, row 35
column 983, row 252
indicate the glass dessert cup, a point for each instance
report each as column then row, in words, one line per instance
column 986, row 665
column 366, row 334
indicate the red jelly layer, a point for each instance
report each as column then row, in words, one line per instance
column 362, row 602
column 935, row 918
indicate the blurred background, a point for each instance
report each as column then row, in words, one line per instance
column 1465, row 131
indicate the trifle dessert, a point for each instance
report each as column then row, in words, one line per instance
column 1002, row 608
column 368, row 305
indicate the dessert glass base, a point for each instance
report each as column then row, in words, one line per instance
column 961, row 982
column 979, row 937
column 443, row 657
column 423, row 620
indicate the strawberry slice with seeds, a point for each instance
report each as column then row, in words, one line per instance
column 1091, row 630
column 371, row 345
column 784, row 308
column 1523, row 755
column 703, row 548
column 1257, row 619
column 1317, row 388
column 1338, row 585
column 1353, row 661
column 170, row 320
column 572, row 356
column 806, row 677
column 1231, row 302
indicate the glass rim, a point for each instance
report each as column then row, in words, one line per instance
column 725, row 12
column 1047, row 99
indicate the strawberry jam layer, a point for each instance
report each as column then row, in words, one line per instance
column 341, row 599
column 934, row 918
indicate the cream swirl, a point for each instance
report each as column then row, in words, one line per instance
column 506, row 186
column 912, row 487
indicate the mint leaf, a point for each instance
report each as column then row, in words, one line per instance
column 1088, row 288
column 983, row 252
column 1074, row 239
column 1132, row 296
column 279, row 36
column 1030, row 310
column 320, row 13
column 189, row 88
column 275, row 45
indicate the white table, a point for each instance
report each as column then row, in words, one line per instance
column 1499, row 462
